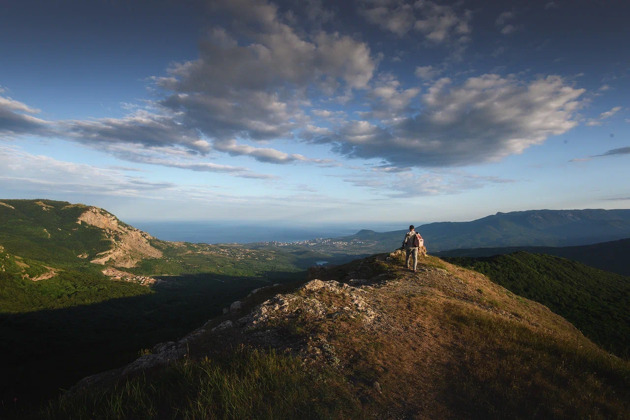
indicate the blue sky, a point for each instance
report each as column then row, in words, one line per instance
column 360, row 112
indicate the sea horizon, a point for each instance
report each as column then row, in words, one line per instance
column 216, row 232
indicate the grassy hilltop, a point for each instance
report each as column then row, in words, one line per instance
column 370, row 340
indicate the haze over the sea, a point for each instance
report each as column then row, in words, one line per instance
column 247, row 232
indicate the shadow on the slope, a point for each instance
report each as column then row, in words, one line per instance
column 45, row 351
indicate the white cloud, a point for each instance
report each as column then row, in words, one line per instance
column 442, row 23
column 603, row 116
column 396, row 17
column 142, row 127
column 21, row 171
column 610, row 113
column 388, row 99
column 261, row 154
column 405, row 183
column 252, row 78
column 427, row 72
column 484, row 119
column 175, row 157
column 438, row 23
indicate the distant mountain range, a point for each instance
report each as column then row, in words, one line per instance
column 551, row 228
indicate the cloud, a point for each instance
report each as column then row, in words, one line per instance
column 177, row 158
column 427, row 72
column 396, row 17
column 481, row 120
column 261, row 154
column 23, row 172
column 616, row 152
column 603, row 116
column 143, row 127
column 504, row 17
column 403, row 184
column 253, row 75
column 610, row 113
column 441, row 23
column 388, row 99
column 438, row 23
column 613, row 152
column 503, row 23
column 16, row 118
column 259, row 78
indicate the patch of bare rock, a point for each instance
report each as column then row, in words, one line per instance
column 129, row 245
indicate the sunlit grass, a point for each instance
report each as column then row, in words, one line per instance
column 517, row 372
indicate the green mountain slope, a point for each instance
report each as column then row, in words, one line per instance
column 64, row 311
column 370, row 340
column 48, row 231
column 595, row 301
column 608, row 256
column 45, row 254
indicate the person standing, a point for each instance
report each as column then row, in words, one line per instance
column 411, row 243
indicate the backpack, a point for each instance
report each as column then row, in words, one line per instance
column 414, row 241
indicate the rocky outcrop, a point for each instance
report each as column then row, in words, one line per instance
column 116, row 274
column 129, row 245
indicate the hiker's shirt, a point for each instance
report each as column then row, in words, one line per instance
column 408, row 242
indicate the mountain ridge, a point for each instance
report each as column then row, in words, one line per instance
column 444, row 342
column 519, row 228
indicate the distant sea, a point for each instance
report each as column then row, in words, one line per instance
column 246, row 232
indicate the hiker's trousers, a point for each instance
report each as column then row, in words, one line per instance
column 413, row 251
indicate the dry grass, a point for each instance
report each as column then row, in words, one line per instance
column 444, row 342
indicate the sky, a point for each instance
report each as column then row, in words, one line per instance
column 358, row 112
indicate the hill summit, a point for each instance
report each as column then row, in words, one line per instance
column 370, row 339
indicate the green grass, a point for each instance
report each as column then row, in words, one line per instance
column 517, row 373
column 595, row 301
column 247, row 384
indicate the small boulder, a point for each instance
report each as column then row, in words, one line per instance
column 236, row 306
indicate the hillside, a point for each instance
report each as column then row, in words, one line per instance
column 80, row 288
column 595, row 301
column 68, row 244
column 523, row 228
column 369, row 340
column 609, row 256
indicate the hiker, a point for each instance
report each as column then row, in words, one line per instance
column 413, row 240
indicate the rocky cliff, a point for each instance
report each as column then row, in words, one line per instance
column 129, row 245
